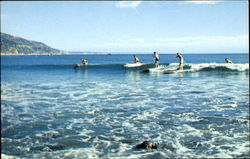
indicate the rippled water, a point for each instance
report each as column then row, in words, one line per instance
column 104, row 111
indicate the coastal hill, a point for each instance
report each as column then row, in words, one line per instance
column 16, row 45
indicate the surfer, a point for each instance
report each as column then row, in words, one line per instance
column 136, row 59
column 181, row 61
column 85, row 62
column 156, row 56
column 228, row 61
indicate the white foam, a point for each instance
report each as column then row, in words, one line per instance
column 132, row 111
column 222, row 139
column 3, row 156
column 160, row 68
column 82, row 153
column 236, row 67
column 222, row 155
column 190, row 131
column 187, row 117
column 242, row 148
column 180, row 148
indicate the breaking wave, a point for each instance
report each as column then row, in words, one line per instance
column 205, row 67
column 202, row 67
column 218, row 67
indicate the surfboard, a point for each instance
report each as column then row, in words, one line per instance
column 135, row 64
column 79, row 65
column 146, row 70
column 154, row 69
column 171, row 72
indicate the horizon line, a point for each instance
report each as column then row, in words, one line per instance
column 108, row 52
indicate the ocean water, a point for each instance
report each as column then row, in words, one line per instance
column 51, row 109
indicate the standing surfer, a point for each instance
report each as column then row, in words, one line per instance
column 85, row 62
column 136, row 59
column 181, row 61
column 156, row 56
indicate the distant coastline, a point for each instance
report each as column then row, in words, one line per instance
column 67, row 53
column 10, row 54
column 13, row 45
column 90, row 54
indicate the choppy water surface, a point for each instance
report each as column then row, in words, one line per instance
column 105, row 110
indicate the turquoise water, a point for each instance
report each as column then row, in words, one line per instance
column 51, row 109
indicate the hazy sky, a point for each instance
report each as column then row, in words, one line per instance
column 131, row 26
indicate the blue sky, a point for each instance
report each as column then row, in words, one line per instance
column 131, row 26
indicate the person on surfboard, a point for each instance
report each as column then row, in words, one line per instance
column 136, row 59
column 228, row 61
column 156, row 56
column 181, row 59
column 85, row 62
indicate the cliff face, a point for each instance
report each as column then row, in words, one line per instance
column 16, row 45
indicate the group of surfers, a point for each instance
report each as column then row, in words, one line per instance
column 156, row 57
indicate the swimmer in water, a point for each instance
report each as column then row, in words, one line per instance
column 156, row 56
column 136, row 59
column 228, row 61
column 85, row 62
column 181, row 59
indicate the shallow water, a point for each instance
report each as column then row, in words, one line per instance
column 50, row 109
